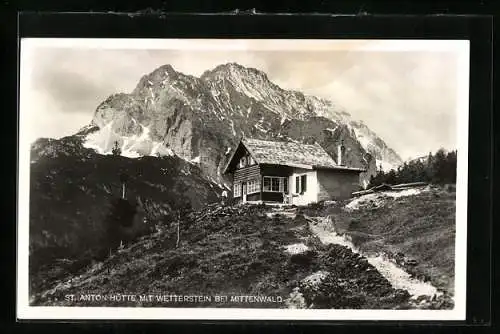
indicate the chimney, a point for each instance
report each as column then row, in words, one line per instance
column 340, row 153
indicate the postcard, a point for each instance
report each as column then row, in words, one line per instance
column 253, row 179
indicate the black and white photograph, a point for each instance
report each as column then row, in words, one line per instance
column 243, row 179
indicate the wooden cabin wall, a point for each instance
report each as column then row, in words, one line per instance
column 247, row 174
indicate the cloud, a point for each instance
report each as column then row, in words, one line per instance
column 409, row 99
column 54, row 123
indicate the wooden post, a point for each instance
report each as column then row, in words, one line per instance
column 261, row 186
column 178, row 230
column 178, row 235
column 123, row 179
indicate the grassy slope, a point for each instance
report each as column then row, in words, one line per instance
column 69, row 202
column 214, row 256
column 235, row 251
column 240, row 251
column 421, row 227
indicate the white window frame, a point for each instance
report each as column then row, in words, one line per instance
column 253, row 186
column 237, row 190
column 281, row 184
column 241, row 163
column 299, row 178
column 246, row 161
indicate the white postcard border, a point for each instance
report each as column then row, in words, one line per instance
column 25, row 311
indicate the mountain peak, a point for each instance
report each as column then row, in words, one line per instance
column 162, row 71
column 227, row 67
column 234, row 69
column 160, row 75
column 166, row 69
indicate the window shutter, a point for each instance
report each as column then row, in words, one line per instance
column 304, row 183
column 297, row 185
column 285, row 185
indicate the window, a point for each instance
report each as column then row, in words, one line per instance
column 267, row 183
column 237, row 189
column 253, row 186
column 275, row 184
column 303, row 183
column 245, row 161
column 300, row 184
column 242, row 162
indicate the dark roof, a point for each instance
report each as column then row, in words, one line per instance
column 291, row 154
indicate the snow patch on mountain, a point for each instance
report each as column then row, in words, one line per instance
column 135, row 146
column 363, row 139
column 195, row 160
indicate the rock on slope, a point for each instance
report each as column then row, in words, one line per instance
column 202, row 118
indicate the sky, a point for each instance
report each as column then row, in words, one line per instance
column 407, row 95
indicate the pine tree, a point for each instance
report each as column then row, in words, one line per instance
column 116, row 149
column 430, row 168
column 391, row 177
column 120, row 215
column 420, row 172
column 451, row 167
column 439, row 166
column 403, row 175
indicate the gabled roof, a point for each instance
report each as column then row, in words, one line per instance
column 293, row 154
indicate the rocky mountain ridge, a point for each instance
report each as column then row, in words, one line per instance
column 201, row 119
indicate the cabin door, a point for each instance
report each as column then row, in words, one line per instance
column 244, row 192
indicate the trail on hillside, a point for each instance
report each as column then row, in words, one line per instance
column 323, row 228
column 422, row 294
